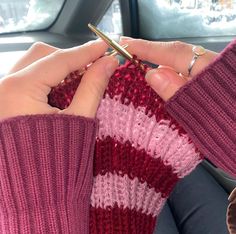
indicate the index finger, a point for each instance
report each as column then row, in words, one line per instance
column 52, row 69
column 176, row 54
column 37, row 51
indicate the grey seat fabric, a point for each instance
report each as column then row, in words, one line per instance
column 197, row 205
column 166, row 222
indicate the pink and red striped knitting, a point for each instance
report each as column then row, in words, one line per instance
column 141, row 153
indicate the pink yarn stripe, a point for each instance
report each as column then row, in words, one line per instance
column 111, row 189
column 124, row 123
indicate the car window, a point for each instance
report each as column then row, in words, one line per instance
column 186, row 18
column 27, row 15
column 111, row 22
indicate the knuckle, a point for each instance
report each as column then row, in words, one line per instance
column 38, row 46
column 177, row 49
column 177, row 46
column 88, row 44
column 150, row 45
column 7, row 85
column 96, row 89
column 7, row 82
column 59, row 54
column 60, row 57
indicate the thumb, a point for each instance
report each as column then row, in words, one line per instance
column 165, row 81
column 92, row 86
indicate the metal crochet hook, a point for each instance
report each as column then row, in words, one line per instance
column 113, row 44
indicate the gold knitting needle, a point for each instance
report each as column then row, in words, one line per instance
column 114, row 52
column 111, row 53
column 113, row 44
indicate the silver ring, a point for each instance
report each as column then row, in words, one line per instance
column 197, row 52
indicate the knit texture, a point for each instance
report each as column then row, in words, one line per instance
column 206, row 108
column 141, row 153
column 46, row 174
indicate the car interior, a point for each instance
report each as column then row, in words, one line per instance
column 63, row 24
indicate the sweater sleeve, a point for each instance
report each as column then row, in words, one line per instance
column 46, row 173
column 206, row 108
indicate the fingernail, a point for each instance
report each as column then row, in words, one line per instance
column 112, row 65
column 157, row 80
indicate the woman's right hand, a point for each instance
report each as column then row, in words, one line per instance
column 174, row 59
column 24, row 90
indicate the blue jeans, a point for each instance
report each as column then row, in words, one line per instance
column 197, row 205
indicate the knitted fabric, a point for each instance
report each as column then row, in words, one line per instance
column 141, row 153
column 206, row 108
column 46, row 174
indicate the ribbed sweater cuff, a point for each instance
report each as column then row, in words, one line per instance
column 206, row 108
column 46, row 173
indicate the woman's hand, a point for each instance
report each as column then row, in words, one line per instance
column 24, row 90
column 174, row 58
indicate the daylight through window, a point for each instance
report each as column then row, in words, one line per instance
column 187, row 18
column 111, row 22
column 24, row 15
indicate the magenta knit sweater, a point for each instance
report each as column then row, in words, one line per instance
column 46, row 174
column 141, row 152
column 206, row 108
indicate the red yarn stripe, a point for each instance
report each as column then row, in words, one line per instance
column 128, row 81
column 61, row 96
column 113, row 156
column 117, row 220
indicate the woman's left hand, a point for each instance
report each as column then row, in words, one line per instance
column 25, row 89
